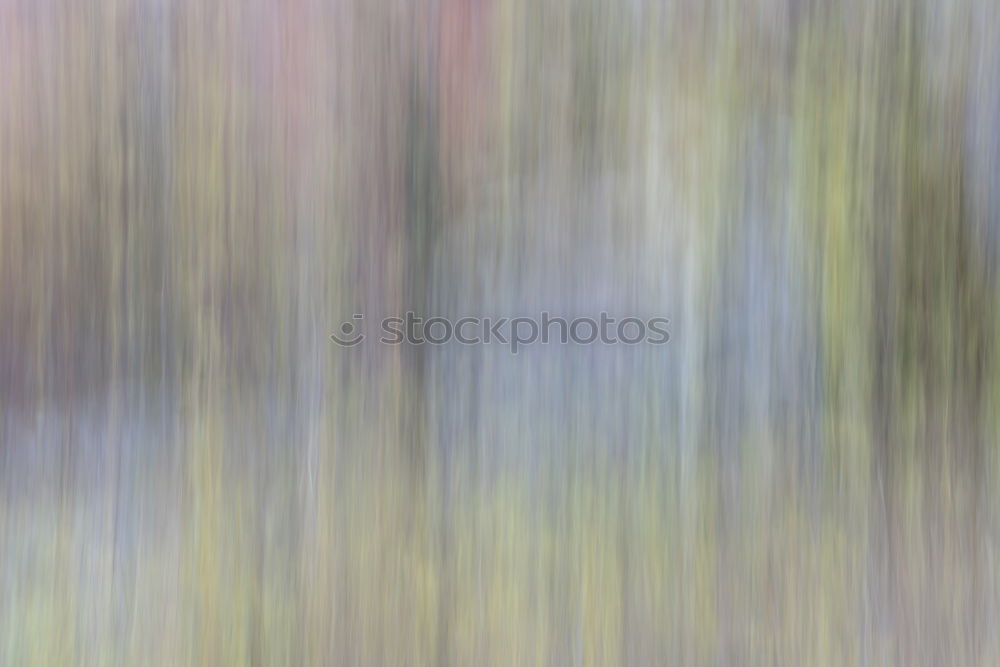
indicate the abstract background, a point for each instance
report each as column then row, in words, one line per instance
column 195, row 194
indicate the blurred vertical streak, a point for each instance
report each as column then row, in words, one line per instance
column 195, row 195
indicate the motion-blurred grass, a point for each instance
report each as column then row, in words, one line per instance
column 195, row 194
